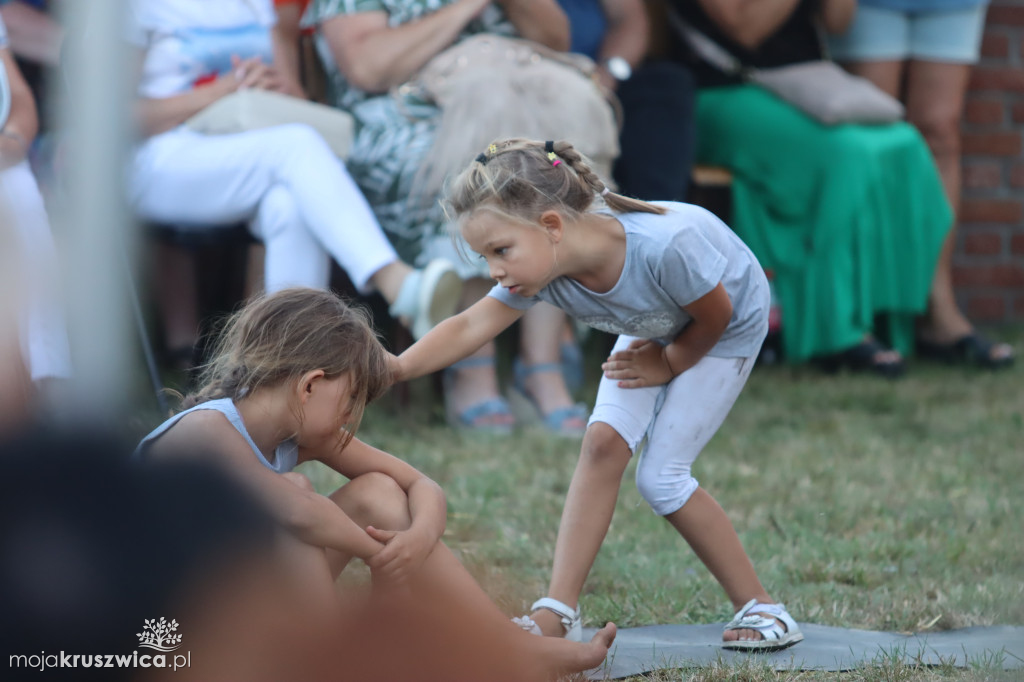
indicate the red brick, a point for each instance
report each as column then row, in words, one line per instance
column 997, row 78
column 982, row 175
column 991, row 144
column 995, row 46
column 1003, row 275
column 986, row 308
column 983, row 243
column 1017, row 176
column 991, row 211
column 984, row 112
column 1017, row 244
column 1005, row 15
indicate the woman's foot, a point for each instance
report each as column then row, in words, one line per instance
column 543, row 385
column 472, row 400
column 867, row 356
column 969, row 348
column 426, row 297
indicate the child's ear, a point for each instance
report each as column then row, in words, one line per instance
column 553, row 223
column 308, row 382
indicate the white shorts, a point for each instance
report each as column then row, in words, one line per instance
column 677, row 420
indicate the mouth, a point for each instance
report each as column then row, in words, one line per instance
column 514, row 289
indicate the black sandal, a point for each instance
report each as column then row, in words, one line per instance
column 971, row 349
column 861, row 358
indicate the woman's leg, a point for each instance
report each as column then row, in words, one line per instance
column 541, row 330
column 377, row 500
column 477, row 382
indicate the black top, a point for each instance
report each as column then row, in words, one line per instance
column 796, row 40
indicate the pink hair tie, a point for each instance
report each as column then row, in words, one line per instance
column 556, row 162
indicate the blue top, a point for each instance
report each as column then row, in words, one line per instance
column 285, row 457
column 587, row 26
column 671, row 261
column 923, row 5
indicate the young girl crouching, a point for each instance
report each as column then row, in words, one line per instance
column 292, row 374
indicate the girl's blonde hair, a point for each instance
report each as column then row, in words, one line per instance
column 522, row 178
column 279, row 337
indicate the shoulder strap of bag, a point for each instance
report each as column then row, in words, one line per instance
column 706, row 48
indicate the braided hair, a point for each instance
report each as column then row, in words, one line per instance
column 522, row 178
column 279, row 337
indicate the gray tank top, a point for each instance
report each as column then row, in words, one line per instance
column 286, row 456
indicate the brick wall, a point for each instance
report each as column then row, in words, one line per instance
column 989, row 261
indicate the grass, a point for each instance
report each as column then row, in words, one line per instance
column 863, row 503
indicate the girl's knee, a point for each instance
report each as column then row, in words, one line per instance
column 603, row 446
column 666, row 491
column 375, row 499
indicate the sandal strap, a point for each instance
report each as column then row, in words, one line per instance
column 527, row 624
column 750, row 617
column 472, row 363
column 569, row 615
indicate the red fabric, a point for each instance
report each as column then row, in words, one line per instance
column 303, row 3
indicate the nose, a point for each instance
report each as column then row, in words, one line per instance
column 496, row 272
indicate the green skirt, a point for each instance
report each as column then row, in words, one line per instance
column 850, row 218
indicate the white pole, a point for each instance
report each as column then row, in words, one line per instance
column 95, row 227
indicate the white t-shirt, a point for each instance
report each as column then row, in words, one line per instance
column 191, row 42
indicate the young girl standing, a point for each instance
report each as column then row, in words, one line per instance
column 288, row 384
column 690, row 304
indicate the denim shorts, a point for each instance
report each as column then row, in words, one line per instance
column 878, row 34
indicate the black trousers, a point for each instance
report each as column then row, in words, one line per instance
column 658, row 137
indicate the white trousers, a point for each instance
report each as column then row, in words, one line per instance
column 677, row 419
column 297, row 197
column 41, row 327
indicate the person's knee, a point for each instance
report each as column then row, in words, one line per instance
column 665, row 488
column 604, row 448
column 278, row 211
column 376, row 499
column 941, row 130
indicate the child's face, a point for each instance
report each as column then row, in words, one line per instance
column 327, row 408
column 520, row 257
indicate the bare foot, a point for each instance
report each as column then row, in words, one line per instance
column 596, row 650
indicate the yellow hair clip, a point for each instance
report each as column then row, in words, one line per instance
column 492, row 150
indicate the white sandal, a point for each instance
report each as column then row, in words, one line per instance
column 570, row 617
column 773, row 635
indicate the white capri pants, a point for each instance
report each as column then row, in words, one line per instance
column 677, row 419
column 41, row 328
column 295, row 193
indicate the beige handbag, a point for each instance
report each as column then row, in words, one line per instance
column 254, row 109
column 820, row 88
column 490, row 86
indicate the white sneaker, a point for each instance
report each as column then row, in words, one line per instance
column 440, row 289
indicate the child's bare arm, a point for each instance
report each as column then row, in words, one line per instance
column 646, row 363
column 406, row 549
column 455, row 338
column 313, row 518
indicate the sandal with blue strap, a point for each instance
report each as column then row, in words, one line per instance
column 560, row 420
column 475, row 417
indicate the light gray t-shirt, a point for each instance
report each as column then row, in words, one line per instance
column 286, row 455
column 671, row 261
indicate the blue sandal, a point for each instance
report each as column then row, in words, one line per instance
column 474, row 417
column 558, row 421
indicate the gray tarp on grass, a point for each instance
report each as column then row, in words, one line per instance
column 655, row 647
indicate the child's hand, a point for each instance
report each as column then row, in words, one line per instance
column 642, row 364
column 403, row 554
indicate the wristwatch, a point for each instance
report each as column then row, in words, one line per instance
column 619, row 68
